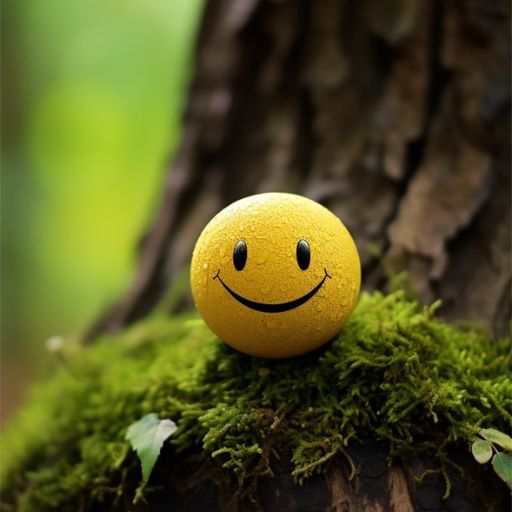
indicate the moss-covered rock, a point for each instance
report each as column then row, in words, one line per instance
column 395, row 374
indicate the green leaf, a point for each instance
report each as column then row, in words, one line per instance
column 497, row 437
column 502, row 464
column 482, row 451
column 147, row 437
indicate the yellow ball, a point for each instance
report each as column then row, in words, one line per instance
column 275, row 275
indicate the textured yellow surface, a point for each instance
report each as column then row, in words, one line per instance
column 271, row 225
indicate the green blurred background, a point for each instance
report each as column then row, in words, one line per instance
column 93, row 92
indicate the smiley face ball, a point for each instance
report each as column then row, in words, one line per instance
column 275, row 275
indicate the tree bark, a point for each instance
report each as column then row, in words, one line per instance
column 186, row 486
column 394, row 114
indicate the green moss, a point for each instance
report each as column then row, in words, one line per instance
column 393, row 373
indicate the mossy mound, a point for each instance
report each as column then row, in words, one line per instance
column 394, row 373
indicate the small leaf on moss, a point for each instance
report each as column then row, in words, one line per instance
column 495, row 436
column 502, row 464
column 482, row 451
column 147, row 437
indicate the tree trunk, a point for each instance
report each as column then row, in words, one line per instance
column 395, row 114
column 376, row 487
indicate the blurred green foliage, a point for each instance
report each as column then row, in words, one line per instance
column 93, row 96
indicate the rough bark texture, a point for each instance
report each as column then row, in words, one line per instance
column 376, row 487
column 393, row 113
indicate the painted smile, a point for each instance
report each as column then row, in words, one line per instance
column 273, row 308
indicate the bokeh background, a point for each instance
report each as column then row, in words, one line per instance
column 93, row 93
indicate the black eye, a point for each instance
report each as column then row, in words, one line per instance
column 303, row 254
column 240, row 255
